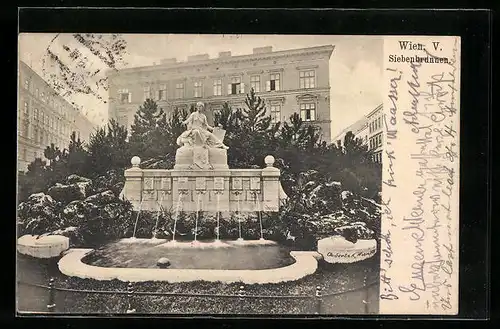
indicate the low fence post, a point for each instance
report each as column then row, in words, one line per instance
column 130, row 296
column 319, row 300
column 241, row 295
column 365, row 300
column 51, row 305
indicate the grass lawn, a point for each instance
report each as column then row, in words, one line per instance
column 332, row 278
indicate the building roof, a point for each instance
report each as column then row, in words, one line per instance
column 224, row 57
column 359, row 125
column 355, row 127
column 375, row 110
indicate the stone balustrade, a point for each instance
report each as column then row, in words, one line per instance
column 225, row 190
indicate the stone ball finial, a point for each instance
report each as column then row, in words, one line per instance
column 136, row 161
column 269, row 160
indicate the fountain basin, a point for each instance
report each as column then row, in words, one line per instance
column 304, row 264
column 205, row 254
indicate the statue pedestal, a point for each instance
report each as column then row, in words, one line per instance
column 189, row 187
column 197, row 157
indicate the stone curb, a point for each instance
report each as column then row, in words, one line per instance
column 71, row 265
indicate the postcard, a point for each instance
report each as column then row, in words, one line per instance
column 201, row 174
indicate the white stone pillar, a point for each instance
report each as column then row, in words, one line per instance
column 270, row 185
column 133, row 183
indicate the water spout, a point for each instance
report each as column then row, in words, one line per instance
column 239, row 217
column 160, row 205
column 218, row 216
column 137, row 219
column 176, row 215
column 198, row 207
column 259, row 213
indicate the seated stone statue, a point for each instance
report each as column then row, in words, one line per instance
column 200, row 148
column 198, row 132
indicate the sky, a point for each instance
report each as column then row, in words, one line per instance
column 355, row 65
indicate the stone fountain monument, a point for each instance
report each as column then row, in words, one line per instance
column 201, row 178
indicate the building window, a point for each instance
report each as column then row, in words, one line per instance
column 36, row 92
column 122, row 120
column 147, row 92
column 306, row 79
column 274, row 82
column 235, row 87
column 35, row 134
column 198, row 89
column 51, row 123
column 42, row 96
column 162, row 92
column 35, row 114
column 124, row 96
column 376, row 141
column 42, row 117
column 179, row 90
column 255, row 83
column 217, row 87
column 308, row 112
column 275, row 113
column 26, row 129
column 27, row 84
column 26, row 110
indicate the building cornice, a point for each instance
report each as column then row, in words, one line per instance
column 301, row 95
column 375, row 110
column 255, row 72
column 307, row 96
column 280, row 99
column 321, row 50
column 307, row 67
column 200, row 77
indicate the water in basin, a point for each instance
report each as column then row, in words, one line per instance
column 224, row 255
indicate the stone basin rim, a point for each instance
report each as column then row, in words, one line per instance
column 71, row 265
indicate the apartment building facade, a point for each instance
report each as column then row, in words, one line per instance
column 370, row 130
column 375, row 122
column 44, row 117
column 288, row 81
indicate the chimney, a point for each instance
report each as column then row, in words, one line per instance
column 201, row 57
column 263, row 50
column 168, row 61
column 224, row 54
